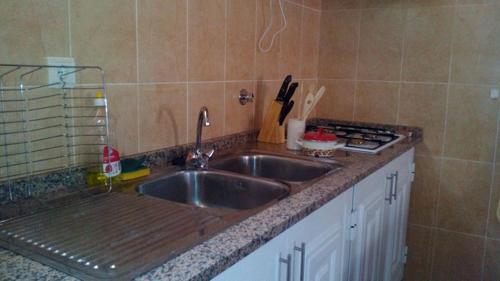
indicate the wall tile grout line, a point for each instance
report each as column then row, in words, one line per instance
column 455, row 159
column 70, row 41
column 490, row 197
column 137, row 90
column 224, row 125
column 416, row 82
column 303, row 6
column 401, row 63
column 254, row 71
column 450, row 64
column 301, row 61
column 448, row 230
column 187, row 70
column 356, row 67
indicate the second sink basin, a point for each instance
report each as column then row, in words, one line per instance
column 273, row 166
column 215, row 189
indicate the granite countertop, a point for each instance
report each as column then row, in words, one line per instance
column 213, row 256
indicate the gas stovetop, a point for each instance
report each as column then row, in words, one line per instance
column 359, row 138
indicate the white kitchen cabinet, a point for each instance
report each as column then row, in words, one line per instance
column 380, row 214
column 401, row 174
column 318, row 247
column 265, row 264
column 324, row 238
column 359, row 235
column 368, row 241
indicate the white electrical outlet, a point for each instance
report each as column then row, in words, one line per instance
column 55, row 72
column 494, row 93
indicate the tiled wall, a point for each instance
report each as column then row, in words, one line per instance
column 428, row 63
column 164, row 59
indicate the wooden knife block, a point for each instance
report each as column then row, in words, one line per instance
column 271, row 131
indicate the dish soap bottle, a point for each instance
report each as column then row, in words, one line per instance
column 111, row 162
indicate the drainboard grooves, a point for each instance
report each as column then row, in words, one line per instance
column 107, row 236
column 48, row 220
column 47, row 226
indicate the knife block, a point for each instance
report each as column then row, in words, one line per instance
column 271, row 131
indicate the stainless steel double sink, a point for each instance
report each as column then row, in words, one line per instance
column 239, row 181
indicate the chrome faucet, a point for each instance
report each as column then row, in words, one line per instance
column 197, row 158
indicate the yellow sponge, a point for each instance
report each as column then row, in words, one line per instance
column 135, row 174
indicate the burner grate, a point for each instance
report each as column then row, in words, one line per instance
column 360, row 138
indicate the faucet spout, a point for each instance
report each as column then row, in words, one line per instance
column 197, row 158
column 203, row 121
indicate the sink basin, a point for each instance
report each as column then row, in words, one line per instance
column 215, row 189
column 274, row 167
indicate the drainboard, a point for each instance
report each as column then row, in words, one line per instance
column 110, row 236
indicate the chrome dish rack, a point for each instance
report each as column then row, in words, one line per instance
column 52, row 118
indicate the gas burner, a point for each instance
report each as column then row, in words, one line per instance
column 363, row 139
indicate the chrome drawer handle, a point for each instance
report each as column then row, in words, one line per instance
column 302, row 250
column 395, row 183
column 389, row 179
column 288, row 262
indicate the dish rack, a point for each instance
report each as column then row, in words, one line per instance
column 52, row 117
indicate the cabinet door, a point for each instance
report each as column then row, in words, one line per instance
column 262, row 265
column 324, row 238
column 397, row 217
column 368, row 246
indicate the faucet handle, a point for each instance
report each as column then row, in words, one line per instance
column 209, row 153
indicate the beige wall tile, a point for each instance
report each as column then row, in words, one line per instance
column 240, row 53
column 492, row 261
column 380, row 47
column 291, row 42
column 464, row 196
column 265, row 93
column 123, row 118
column 239, row 118
column 426, row 3
column 310, row 44
column 494, row 222
column 424, row 106
column 267, row 63
column 206, row 39
column 108, row 41
column 315, row 4
column 457, row 257
column 376, row 102
column 210, row 95
column 338, row 100
column 476, row 45
column 162, row 35
column 382, row 3
column 339, row 43
column 162, row 113
column 418, row 265
column 33, row 30
column 471, row 123
column 340, row 4
column 471, row 2
column 424, row 191
column 427, row 44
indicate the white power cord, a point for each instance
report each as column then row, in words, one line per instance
column 265, row 50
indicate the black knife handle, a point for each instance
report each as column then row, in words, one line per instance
column 285, row 110
column 284, row 87
column 290, row 92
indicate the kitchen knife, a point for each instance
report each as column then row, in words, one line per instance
column 285, row 110
column 290, row 93
column 284, row 88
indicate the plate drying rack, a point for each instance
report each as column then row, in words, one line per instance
column 52, row 118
